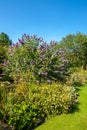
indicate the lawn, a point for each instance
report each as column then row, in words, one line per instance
column 73, row 121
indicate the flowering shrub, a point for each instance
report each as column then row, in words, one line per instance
column 51, row 65
column 39, row 62
column 21, row 57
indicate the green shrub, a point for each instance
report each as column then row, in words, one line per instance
column 1, row 115
column 26, row 116
column 30, row 104
column 78, row 78
column 5, row 88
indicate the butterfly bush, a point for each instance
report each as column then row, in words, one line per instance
column 33, row 59
column 21, row 57
column 51, row 65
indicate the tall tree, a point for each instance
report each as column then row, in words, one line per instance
column 75, row 47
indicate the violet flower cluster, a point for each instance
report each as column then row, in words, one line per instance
column 46, row 62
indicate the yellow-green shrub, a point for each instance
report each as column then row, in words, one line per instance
column 50, row 96
column 31, row 104
column 78, row 78
column 54, row 98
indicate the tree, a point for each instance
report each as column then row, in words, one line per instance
column 82, row 41
column 4, row 39
column 85, row 55
column 75, row 47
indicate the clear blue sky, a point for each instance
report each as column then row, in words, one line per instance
column 50, row 19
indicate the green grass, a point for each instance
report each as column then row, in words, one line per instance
column 73, row 121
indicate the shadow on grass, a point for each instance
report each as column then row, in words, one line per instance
column 76, row 108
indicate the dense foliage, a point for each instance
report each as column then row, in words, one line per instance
column 36, row 80
column 30, row 104
column 40, row 62
column 75, row 46
column 4, row 39
column 5, row 42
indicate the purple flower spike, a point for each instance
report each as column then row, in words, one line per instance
column 49, row 81
column 21, row 41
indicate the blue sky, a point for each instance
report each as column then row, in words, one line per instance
column 50, row 19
